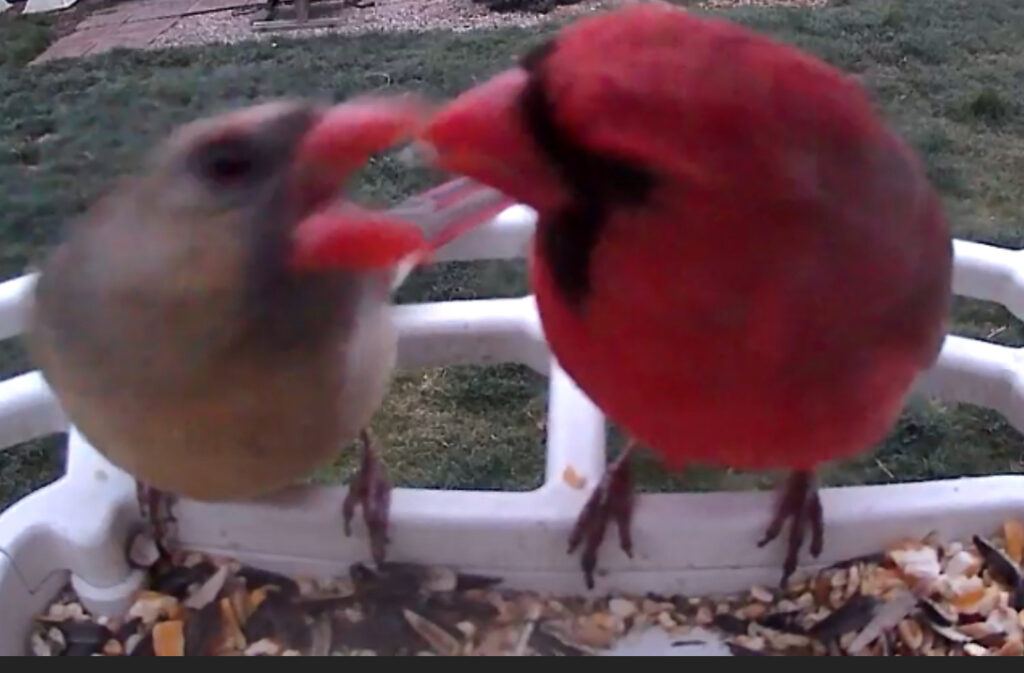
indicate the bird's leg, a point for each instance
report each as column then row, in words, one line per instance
column 155, row 506
column 370, row 488
column 798, row 501
column 611, row 500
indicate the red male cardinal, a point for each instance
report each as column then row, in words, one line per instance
column 735, row 258
column 188, row 323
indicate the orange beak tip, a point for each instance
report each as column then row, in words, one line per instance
column 492, row 98
column 353, row 239
column 480, row 134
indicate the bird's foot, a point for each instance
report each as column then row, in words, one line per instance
column 155, row 506
column 612, row 499
column 799, row 501
column 370, row 488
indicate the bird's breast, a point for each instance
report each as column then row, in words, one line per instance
column 368, row 358
column 739, row 355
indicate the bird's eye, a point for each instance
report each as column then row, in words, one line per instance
column 227, row 160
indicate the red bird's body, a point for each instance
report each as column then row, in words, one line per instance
column 735, row 258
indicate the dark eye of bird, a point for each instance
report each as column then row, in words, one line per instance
column 227, row 160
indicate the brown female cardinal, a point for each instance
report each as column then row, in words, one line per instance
column 189, row 328
column 735, row 258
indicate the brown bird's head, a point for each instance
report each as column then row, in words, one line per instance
column 213, row 247
column 280, row 166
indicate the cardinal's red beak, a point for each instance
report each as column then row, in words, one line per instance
column 481, row 134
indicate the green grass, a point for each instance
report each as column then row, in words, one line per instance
column 949, row 74
column 23, row 38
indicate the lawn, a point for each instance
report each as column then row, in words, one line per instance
column 949, row 74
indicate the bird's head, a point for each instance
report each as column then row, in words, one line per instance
column 277, row 169
column 234, row 231
column 645, row 96
column 583, row 115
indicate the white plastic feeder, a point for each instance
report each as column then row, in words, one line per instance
column 684, row 543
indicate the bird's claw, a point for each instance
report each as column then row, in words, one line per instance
column 370, row 488
column 800, row 502
column 155, row 506
column 612, row 500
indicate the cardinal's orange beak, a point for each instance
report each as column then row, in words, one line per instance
column 482, row 134
column 342, row 235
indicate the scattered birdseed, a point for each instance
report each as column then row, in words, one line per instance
column 918, row 598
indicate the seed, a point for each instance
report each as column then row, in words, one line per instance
column 622, row 608
column 1014, row 533
column 963, row 564
column 169, row 639
column 440, row 580
column 755, row 643
column 911, row 634
column 753, row 611
column 1012, row 648
column 265, row 646
column 440, row 640
column 975, row 650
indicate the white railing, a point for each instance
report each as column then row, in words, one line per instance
column 685, row 542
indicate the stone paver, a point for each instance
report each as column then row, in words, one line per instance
column 132, row 25
column 105, row 17
column 134, row 35
column 156, row 9
column 95, row 40
column 70, row 46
